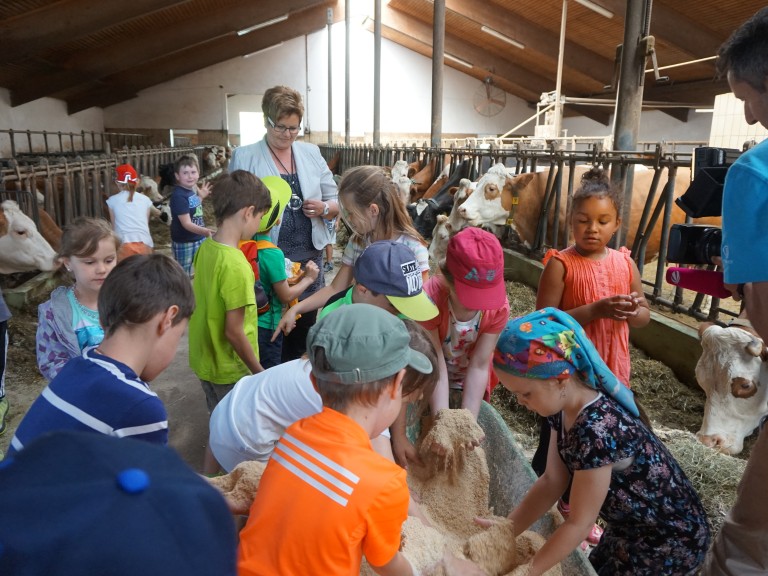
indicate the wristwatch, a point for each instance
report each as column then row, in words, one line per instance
column 326, row 209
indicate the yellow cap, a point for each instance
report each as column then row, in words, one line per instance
column 281, row 194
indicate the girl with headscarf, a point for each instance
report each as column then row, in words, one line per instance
column 655, row 523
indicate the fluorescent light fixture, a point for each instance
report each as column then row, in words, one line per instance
column 457, row 60
column 705, row 110
column 502, row 37
column 686, row 63
column 596, row 8
column 245, row 31
column 263, row 50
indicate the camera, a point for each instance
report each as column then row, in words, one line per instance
column 693, row 243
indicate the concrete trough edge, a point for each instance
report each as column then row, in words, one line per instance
column 21, row 296
column 664, row 339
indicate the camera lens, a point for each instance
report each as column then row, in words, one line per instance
column 709, row 245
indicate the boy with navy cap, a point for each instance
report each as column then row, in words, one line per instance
column 387, row 275
column 326, row 498
column 77, row 503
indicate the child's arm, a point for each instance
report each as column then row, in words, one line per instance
column 342, row 280
column 285, row 292
column 187, row 224
column 588, row 492
column 402, row 449
column 235, row 335
column 641, row 313
column 204, row 190
column 476, row 380
column 439, row 399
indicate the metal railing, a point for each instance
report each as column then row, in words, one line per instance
column 44, row 142
column 552, row 228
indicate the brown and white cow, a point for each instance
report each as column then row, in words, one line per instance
column 22, row 247
column 449, row 225
column 525, row 193
column 733, row 373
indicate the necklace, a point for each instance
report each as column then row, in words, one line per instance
column 291, row 174
column 89, row 313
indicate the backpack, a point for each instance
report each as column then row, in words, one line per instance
column 251, row 250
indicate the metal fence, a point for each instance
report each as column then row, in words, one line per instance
column 43, row 142
column 552, row 229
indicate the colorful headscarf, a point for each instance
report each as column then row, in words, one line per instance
column 548, row 344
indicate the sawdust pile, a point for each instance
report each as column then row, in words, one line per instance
column 239, row 486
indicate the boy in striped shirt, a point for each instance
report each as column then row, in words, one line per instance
column 144, row 306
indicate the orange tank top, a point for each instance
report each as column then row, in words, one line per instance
column 587, row 281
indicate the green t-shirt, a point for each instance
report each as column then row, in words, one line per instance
column 271, row 271
column 343, row 301
column 223, row 281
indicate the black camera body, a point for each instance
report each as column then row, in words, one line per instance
column 694, row 243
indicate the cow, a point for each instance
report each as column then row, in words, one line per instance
column 439, row 199
column 525, row 193
column 148, row 186
column 399, row 170
column 22, row 247
column 733, row 373
column 447, row 226
column 422, row 180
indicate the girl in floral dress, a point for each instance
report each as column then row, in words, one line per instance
column 655, row 523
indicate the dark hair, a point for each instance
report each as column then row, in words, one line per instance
column 142, row 286
column 415, row 381
column 81, row 237
column 186, row 160
column 281, row 101
column 595, row 184
column 237, row 190
column 368, row 185
column 339, row 396
column 745, row 53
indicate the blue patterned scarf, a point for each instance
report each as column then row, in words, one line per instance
column 548, row 344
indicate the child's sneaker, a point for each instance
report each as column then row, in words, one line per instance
column 328, row 267
column 4, row 408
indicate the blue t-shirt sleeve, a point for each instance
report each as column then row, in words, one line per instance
column 179, row 204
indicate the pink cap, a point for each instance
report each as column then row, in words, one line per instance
column 126, row 173
column 476, row 262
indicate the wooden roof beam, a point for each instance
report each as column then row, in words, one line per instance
column 84, row 67
column 38, row 30
column 535, row 37
column 128, row 83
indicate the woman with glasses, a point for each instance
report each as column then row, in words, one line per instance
column 302, row 234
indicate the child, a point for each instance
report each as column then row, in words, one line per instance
column 129, row 212
column 187, row 226
column 387, row 275
column 69, row 322
column 371, row 207
column 223, row 331
column 473, row 309
column 273, row 276
column 5, row 315
column 599, row 286
column 655, row 523
column 324, row 518
column 144, row 308
column 332, row 226
column 248, row 422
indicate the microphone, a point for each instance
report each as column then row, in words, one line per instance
column 704, row 281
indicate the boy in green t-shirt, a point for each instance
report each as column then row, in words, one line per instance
column 273, row 276
column 223, row 338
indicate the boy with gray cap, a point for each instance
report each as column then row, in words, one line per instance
column 326, row 498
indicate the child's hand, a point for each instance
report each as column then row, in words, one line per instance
column 311, row 270
column 453, row 566
column 204, row 190
column 619, row 307
column 404, row 451
column 286, row 324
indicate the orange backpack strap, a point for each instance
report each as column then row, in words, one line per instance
column 264, row 244
column 251, row 250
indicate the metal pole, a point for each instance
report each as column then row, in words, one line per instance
column 329, row 22
column 438, row 51
column 559, row 83
column 347, row 27
column 629, row 100
column 377, row 73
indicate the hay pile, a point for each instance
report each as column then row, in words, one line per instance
column 676, row 411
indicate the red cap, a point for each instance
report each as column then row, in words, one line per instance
column 126, row 174
column 476, row 262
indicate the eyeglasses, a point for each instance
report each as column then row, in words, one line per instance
column 283, row 129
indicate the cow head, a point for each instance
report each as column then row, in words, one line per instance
column 440, row 236
column 22, row 247
column 484, row 207
column 733, row 373
column 400, row 170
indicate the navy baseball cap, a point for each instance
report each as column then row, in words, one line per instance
column 78, row 503
column 390, row 268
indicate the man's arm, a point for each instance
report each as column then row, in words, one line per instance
column 756, row 300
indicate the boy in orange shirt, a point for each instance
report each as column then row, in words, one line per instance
column 326, row 498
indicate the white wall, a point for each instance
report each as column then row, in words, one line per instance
column 729, row 128
column 44, row 114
